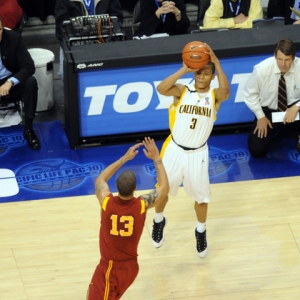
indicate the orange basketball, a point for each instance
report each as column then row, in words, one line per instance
column 194, row 56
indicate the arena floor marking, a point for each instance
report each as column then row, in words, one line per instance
column 57, row 171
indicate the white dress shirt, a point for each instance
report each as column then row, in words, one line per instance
column 261, row 88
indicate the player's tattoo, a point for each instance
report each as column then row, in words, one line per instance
column 100, row 186
column 150, row 198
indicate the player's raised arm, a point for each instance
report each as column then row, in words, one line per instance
column 162, row 191
column 101, row 186
column 223, row 91
column 168, row 86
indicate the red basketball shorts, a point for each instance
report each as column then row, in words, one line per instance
column 111, row 280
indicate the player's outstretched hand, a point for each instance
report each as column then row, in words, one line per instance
column 132, row 152
column 151, row 150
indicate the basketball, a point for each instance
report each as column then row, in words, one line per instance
column 194, row 56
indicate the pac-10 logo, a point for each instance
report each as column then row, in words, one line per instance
column 144, row 91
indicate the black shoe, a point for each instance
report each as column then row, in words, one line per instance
column 32, row 140
column 158, row 235
column 201, row 245
column 298, row 144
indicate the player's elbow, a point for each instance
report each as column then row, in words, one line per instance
column 163, row 89
column 160, row 89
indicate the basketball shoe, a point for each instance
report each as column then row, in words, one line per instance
column 201, row 246
column 158, row 235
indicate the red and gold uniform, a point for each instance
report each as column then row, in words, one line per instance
column 122, row 223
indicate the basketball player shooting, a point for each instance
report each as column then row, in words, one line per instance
column 185, row 151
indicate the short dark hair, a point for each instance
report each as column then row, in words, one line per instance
column 286, row 46
column 126, row 183
column 212, row 66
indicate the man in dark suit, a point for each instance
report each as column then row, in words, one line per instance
column 163, row 17
column 16, row 70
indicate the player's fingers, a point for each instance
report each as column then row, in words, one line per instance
column 134, row 147
column 147, row 140
column 145, row 152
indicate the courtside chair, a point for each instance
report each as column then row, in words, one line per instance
column 265, row 22
column 136, row 16
column 21, row 25
column 203, row 6
column 12, row 103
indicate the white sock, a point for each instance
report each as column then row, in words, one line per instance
column 158, row 217
column 201, row 227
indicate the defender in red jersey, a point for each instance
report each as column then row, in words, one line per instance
column 122, row 222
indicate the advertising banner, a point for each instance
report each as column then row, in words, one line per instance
column 125, row 100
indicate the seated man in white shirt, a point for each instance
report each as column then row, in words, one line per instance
column 261, row 95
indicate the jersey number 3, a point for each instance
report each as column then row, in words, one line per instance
column 194, row 122
column 128, row 225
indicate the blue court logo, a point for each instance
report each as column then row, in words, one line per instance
column 219, row 161
column 295, row 156
column 150, row 168
column 11, row 140
column 55, row 175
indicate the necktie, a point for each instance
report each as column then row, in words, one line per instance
column 89, row 4
column 282, row 101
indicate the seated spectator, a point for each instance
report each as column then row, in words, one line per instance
column 232, row 14
column 66, row 9
column 158, row 16
column 281, row 8
column 16, row 70
column 11, row 13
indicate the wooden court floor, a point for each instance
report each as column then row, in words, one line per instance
column 49, row 248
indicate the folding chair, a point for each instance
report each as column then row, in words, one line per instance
column 264, row 22
column 13, row 103
column 20, row 26
column 136, row 16
column 203, row 6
